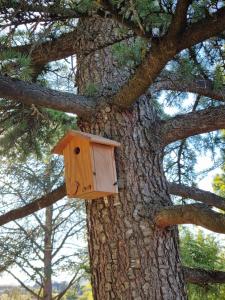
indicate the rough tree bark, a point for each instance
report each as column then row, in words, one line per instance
column 130, row 257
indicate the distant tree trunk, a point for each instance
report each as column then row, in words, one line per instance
column 47, row 285
column 130, row 258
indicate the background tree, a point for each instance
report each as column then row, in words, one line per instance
column 127, row 53
column 47, row 238
column 202, row 251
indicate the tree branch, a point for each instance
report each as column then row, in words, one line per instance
column 203, row 29
column 69, row 285
column 180, row 17
column 203, row 277
column 56, row 12
column 22, row 284
column 164, row 50
column 197, row 214
column 34, row 206
column 66, row 45
column 198, row 86
column 30, row 93
column 196, row 194
column 193, row 123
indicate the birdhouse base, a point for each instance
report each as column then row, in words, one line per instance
column 91, row 195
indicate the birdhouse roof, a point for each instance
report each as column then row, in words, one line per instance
column 73, row 134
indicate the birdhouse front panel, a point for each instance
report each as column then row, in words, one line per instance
column 90, row 170
column 78, row 167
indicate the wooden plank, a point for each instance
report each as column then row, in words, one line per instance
column 104, row 168
column 98, row 139
column 82, row 167
column 92, row 195
column 58, row 149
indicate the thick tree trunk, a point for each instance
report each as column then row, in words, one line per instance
column 130, row 257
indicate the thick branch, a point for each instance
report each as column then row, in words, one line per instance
column 183, row 126
column 59, row 48
column 30, row 93
column 197, row 214
column 202, row 30
column 66, row 45
column 196, row 194
column 198, row 86
column 163, row 51
column 34, row 206
column 180, row 17
column 203, row 277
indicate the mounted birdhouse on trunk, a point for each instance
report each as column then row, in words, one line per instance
column 90, row 169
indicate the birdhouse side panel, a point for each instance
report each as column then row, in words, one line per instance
column 104, row 168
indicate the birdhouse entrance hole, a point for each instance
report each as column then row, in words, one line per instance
column 77, row 150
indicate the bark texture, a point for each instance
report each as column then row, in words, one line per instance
column 130, row 257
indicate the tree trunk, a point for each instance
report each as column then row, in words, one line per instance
column 130, row 257
column 47, row 285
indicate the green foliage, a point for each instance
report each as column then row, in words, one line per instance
column 219, row 78
column 85, row 5
column 146, row 14
column 202, row 251
column 15, row 64
column 130, row 54
column 86, row 293
column 219, row 183
column 82, row 6
column 219, row 179
column 29, row 129
column 186, row 68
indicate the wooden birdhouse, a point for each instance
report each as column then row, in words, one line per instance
column 90, row 170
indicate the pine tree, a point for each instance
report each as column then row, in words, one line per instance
column 133, row 59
